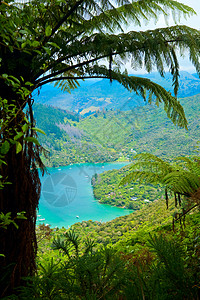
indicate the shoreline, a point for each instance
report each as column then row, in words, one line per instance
column 85, row 205
column 80, row 163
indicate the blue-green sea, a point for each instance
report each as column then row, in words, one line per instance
column 67, row 196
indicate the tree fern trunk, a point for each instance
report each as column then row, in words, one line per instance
column 18, row 245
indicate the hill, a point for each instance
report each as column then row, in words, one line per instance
column 65, row 142
column 116, row 135
column 98, row 94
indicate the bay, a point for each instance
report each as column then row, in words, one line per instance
column 67, row 196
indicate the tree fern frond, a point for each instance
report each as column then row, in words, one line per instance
column 59, row 243
column 141, row 176
column 146, row 10
column 181, row 177
column 139, row 85
column 189, row 164
column 148, row 168
column 67, row 85
column 73, row 238
column 148, row 160
column 183, row 182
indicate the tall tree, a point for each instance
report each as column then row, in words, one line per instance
column 65, row 41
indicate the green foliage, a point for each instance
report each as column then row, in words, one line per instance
column 89, row 275
column 159, row 269
column 67, row 43
column 14, row 136
column 165, row 278
column 115, row 135
column 107, row 189
column 6, row 220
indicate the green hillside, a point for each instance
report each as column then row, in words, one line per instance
column 107, row 190
column 65, row 142
column 116, row 135
column 145, row 129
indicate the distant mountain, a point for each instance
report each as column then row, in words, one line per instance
column 97, row 94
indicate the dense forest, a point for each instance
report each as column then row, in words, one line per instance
column 116, row 135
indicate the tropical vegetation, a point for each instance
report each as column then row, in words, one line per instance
column 132, row 257
column 65, row 41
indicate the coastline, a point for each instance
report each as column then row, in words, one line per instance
column 84, row 205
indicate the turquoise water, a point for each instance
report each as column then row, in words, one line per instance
column 67, row 196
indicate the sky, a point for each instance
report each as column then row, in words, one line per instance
column 193, row 21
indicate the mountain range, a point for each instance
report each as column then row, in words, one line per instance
column 94, row 94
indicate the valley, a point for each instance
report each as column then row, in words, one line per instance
column 100, row 93
column 114, row 135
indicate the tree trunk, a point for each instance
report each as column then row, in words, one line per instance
column 18, row 245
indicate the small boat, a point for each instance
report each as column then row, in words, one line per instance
column 77, row 217
column 59, row 169
column 39, row 215
column 42, row 219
